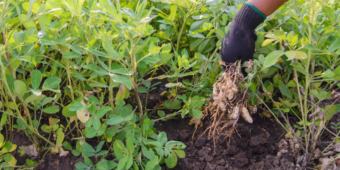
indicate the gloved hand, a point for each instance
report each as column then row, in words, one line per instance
column 239, row 43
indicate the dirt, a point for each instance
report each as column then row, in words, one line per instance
column 256, row 146
column 45, row 161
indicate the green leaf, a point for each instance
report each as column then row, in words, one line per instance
column 33, row 98
column 102, row 111
column 67, row 145
column 272, row 58
column 332, row 109
column 197, row 24
column 130, row 146
column 29, row 162
column 298, row 67
column 99, row 53
column 201, row 57
column 197, row 113
column 88, row 148
column 334, row 46
column 296, row 55
column 321, row 95
column 96, row 124
column 51, row 83
column 195, row 44
column 72, row 54
column 1, row 140
column 173, row 11
column 176, row 104
column 122, row 162
column 180, row 153
column 107, row 44
column 162, row 138
column 46, row 40
column 81, row 165
column 129, row 12
column 267, row 41
column 31, row 36
column 129, row 162
column 102, row 165
column 148, row 153
column 7, row 147
column 171, row 161
column 285, row 91
column 197, row 101
column 329, row 12
column 20, row 87
column 115, row 119
column 67, row 112
column 100, row 145
column 328, row 74
column 122, row 79
column 160, row 113
column 75, row 152
column 36, row 78
column 51, row 110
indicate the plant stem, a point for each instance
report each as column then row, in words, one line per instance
column 111, row 88
column 134, row 67
column 7, row 54
column 71, row 89
column 180, row 33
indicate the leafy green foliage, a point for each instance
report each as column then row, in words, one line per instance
column 80, row 60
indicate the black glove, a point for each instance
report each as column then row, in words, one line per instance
column 239, row 43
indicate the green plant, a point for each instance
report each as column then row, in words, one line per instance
column 6, row 158
column 297, row 75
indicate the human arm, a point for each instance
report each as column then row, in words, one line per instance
column 267, row 7
column 239, row 43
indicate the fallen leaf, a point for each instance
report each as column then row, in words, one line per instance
column 250, row 64
column 317, row 153
column 83, row 115
column 195, row 121
column 13, row 161
column 335, row 94
column 315, row 112
column 288, row 136
column 73, row 118
column 56, row 161
column 221, row 63
column 122, row 88
column 320, row 116
column 254, row 109
column 337, row 147
column 50, row 120
column 170, row 85
column 267, row 93
column 63, row 153
column 54, row 149
column 337, row 161
column 325, row 163
column 328, row 153
column 88, row 93
column 282, row 143
column 30, row 150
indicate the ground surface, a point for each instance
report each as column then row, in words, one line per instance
column 255, row 147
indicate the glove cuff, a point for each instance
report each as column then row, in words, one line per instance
column 247, row 17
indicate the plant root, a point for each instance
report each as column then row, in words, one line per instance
column 226, row 105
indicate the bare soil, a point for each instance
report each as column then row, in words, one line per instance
column 255, row 146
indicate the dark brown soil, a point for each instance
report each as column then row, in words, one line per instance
column 46, row 162
column 254, row 147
